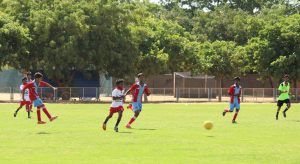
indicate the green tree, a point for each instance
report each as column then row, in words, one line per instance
column 217, row 58
column 13, row 41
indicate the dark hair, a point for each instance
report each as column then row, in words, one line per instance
column 28, row 73
column 24, row 79
column 38, row 75
column 119, row 81
column 286, row 76
column 140, row 74
column 237, row 78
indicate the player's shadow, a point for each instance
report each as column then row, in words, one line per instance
column 125, row 132
column 43, row 133
column 295, row 120
column 146, row 129
column 210, row 136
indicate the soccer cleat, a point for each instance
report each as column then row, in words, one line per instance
column 29, row 117
column 104, row 126
column 284, row 114
column 53, row 118
column 41, row 122
column 15, row 114
column 234, row 122
column 128, row 126
column 276, row 117
column 224, row 113
column 116, row 129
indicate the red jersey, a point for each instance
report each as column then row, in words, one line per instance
column 33, row 87
column 235, row 89
column 138, row 91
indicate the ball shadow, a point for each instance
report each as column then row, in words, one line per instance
column 43, row 133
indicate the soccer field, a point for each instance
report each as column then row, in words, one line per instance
column 164, row 133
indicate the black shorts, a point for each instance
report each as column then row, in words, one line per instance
column 281, row 102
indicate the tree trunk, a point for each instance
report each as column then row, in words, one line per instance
column 295, row 83
column 271, row 82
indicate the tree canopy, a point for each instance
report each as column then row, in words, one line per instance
column 120, row 38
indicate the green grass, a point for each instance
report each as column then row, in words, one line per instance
column 164, row 133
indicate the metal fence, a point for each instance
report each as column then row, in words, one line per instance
column 90, row 94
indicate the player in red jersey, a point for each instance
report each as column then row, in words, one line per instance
column 137, row 90
column 117, row 104
column 28, row 76
column 25, row 102
column 234, row 91
column 34, row 97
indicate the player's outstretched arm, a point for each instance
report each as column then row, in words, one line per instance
column 49, row 85
column 127, row 92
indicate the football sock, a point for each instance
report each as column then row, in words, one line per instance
column 28, row 114
column 46, row 112
column 226, row 110
column 107, row 118
column 235, row 115
column 39, row 115
column 17, row 110
column 286, row 109
column 118, row 121
column 131, row 120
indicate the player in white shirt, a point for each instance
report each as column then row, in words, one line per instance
column 118, row 98
column 26, row 102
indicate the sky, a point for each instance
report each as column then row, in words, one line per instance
column 154, row 1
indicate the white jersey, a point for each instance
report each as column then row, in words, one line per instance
column 117, row 93
column 26, row 93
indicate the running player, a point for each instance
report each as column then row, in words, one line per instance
column 28, row 76
column 137, row 90
column 235, row 94
column 117, row 104
column 34, row 97
column 25, row 102
column 284, row 97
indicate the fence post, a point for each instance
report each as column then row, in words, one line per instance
column 209, row 92
column 165, row 94
column 11, row 94
column 96, row 94
column 177, row 94
column 253, row 94
column 296, row 94
column 70, row 98
column 54, row 96
column 263, row 94
column 221, row 90
column 83, row 94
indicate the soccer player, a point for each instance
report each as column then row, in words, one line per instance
column 235, row 94
column 284, row 97
column 34, row 97
column 28, row 76
column 26, row 102
column 137, row 90
column 117, row 104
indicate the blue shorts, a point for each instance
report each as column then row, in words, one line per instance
column 235, row 105
column 137, row 106
column 38, row 102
